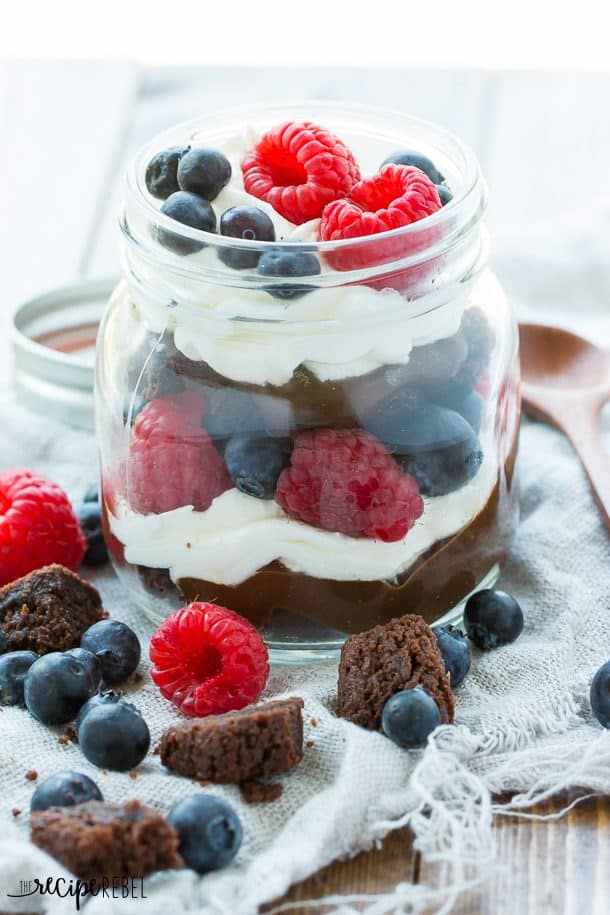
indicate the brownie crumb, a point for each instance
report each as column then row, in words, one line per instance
column 133, row 774
column 16, row 812
column 252, row 743
column 310, row 744
column 255, row 792
column 31, row 775
column 158, row 582
column 313, row 722
column 68, row 736
column 378, row 663
column 48, row 610
column 98, row 839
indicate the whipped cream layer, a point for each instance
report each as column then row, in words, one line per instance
column 249, row 336
column 335, row 332
column 238, row 535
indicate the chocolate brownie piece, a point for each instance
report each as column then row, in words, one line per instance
column 386, row 659
column 158, row 582
column 252, row 743
column 48, row 610
column 195, row 369
column 97, row 839
column 255, row 792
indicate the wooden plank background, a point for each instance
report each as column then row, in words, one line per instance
column 543, row 139
column 545, row 867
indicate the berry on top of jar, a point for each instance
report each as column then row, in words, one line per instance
column 298, row 181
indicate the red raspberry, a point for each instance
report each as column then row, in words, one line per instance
column 172, row 460
column 175, row 416
column 298, row 168
column 344, row 480
column 395, row 197
column 208, row 660
column 37, row 526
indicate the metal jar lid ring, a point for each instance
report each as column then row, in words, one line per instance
column 53, row 342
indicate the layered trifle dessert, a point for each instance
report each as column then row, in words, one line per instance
column 307, row 382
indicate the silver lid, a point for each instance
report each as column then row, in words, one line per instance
column 53, row 341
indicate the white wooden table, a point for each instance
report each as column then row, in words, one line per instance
column 543, row 139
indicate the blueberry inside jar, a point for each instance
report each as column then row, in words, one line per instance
column 307, row 388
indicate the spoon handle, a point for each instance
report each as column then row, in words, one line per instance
column 582, row 428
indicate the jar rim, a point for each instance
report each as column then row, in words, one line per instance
column 447, row 225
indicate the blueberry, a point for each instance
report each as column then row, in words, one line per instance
column 13, row 669
column 436, row 446
column 204, row 172
column 444, row 193
column 432, row 364
column 492, row 618
column 90, row 520
column 456, row 654
column 190, row 210
column 479, row 336
column 158, row 376
column 161, row 172
column 600, row 695
column 107, row 698
column 410, row 157
column 92, row 494
column 284, row 262
column 247, row 223
column 209, row 831
column 64, row 789
column 116, row 645
column 58, row 685
column 91, row 662
column 468, row 404
column 114, row 736
column 256, row 463
column 229, row 410
column 409, row 717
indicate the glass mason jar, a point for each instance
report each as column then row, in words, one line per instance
column 319, row 453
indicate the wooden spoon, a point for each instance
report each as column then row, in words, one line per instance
column 566, row 381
